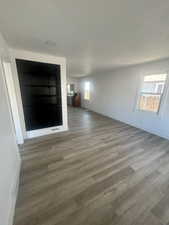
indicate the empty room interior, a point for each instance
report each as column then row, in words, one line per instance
column 84, row 112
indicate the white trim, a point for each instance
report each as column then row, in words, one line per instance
column 131, row 124
column 38, row 57
column 14, row 195
column 18, row 96
column 164, row 95
column 7, row 71
column 45, row 131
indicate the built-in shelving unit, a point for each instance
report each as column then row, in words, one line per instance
column 40, row 85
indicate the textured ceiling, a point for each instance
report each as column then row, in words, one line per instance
column 94, row 35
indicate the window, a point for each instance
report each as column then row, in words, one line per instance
column 70, row 89
column 87, row 91
column 151, row 92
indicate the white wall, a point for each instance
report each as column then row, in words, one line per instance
column 114, row 95
column 9, row 154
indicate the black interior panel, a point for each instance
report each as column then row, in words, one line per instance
column 40, row 85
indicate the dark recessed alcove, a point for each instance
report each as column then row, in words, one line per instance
column 40, row 85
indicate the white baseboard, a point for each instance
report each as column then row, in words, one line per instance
column 14, row 195
column 45, row 131
column 134, row 125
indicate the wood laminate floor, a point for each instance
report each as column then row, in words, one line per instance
column 101, row 172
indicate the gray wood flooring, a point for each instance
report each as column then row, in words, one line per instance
column 101, row 172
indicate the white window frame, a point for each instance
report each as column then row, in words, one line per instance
column 163, row 95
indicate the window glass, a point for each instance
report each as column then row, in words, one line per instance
column 151, row 92
column 87, row 91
